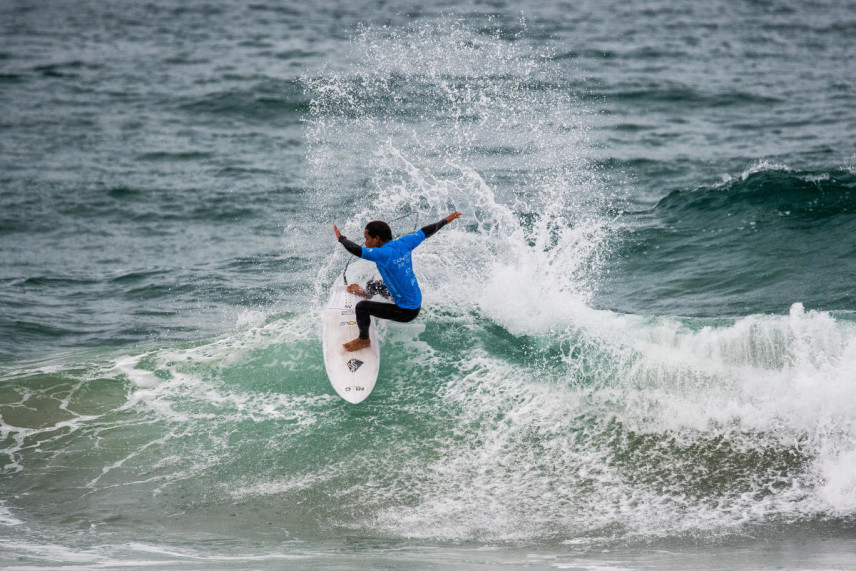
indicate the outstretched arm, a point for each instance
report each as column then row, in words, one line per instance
column 349, row 246
column 431, row 229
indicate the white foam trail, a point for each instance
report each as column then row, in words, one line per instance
column 184, row 385
column 133, row 554
column 6, row 517
column 21, row 432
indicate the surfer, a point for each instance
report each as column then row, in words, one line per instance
column 396, row 268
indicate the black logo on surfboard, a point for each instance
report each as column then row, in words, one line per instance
column 354, row 364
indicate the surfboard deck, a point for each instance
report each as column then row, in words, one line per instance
column 352, row 373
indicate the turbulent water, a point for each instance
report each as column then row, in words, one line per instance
column 637, row 347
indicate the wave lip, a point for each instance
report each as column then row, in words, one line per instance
column 770, row 189
column 751, row 244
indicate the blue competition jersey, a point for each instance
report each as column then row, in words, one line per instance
column 396, row 268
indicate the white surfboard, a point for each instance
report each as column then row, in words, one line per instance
column 352, row 373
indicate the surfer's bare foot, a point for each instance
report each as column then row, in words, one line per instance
column 357, row 344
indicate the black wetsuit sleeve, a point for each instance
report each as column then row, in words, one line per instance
column 351, row 247
column 431, row 229
column 376, row 287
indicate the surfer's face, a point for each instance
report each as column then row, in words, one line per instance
column 372, row 241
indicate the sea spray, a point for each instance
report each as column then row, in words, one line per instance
column 493, row 108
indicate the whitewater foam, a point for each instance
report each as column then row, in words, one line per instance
column 535, row 447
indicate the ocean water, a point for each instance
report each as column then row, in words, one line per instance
column 637, row 348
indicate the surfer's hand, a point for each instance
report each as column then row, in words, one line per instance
column 336, row 230
column 453, row 216
column 356, row 289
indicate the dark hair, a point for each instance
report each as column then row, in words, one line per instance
column 379, row 229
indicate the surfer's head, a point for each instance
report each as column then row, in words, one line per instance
column 377, row 233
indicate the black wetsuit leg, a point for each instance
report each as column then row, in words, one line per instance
column 366, row 309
